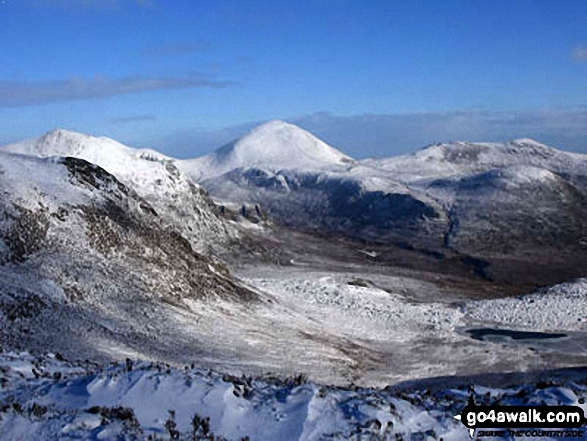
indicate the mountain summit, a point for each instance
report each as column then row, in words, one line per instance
column 462, row 158
column 273, row 145
column 103, row 151
column 151, row 174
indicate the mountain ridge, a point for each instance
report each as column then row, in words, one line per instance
column 51, row 144
column 418, row 198
column 154, row 176
column 132, row 262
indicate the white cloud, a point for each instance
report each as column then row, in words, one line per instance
column 579, row 53
column 30, row 93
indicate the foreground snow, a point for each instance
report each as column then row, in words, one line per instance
column 44, row 398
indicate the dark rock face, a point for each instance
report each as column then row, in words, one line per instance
column 92, row 175
column 465, row 156
column 316, row 201
column 25, row 306
column 25, row 234
column 124, row 225
column 262, row 179
column 491, row 216
column 380, row 210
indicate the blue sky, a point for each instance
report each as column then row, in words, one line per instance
column 373, row 78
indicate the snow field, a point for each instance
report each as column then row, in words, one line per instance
column 558, row 308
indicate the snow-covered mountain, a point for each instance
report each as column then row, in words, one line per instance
column 87, row 266
column 303, row 182
column 484, row 199
column 354, row 203
column 102, row 266
column 152, row 175
column 274, row 146
column 466, row 158
column 520, row 211
column 106, row 152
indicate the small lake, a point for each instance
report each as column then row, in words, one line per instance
column 483, row 333
column 574, row 342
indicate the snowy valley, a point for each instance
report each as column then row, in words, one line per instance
column 285, row 290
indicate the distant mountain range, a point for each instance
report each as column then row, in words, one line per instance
column 483, row 199
column 513, row 200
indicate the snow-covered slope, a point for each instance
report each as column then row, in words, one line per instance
column 562, row 307
column 273, row 146
column 101, row 265
column 109, row 154
column 303, row 182
column 358, row 204
column 88, row 266
column 150, row 402
column 152, row 175
column 89, row 269
column 143, row 169
column 517, row 210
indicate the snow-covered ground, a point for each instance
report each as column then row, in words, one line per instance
column 561, row 307
column 383, row 331
column 340, row 303
column 468, row 158
column 522, row 194
column 121, row 293
column 45, row 398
